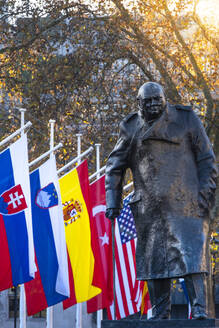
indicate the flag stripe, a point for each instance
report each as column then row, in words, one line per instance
column 6, row 274
column 72, row 299
column 6, row 172
column 35, row 298
column 132, row 259
column 17, row 241
column 83, row 176
column 44, row 244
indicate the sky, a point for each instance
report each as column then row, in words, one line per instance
column 208, row 10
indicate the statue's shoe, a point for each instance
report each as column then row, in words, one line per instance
column 198, row 313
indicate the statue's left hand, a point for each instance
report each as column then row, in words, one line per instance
column 112, row 213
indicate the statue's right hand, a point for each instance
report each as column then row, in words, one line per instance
column 112, row 213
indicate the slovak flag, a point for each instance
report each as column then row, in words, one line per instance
column 51, row 284
column 16, row 239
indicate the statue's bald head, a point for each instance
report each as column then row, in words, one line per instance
column 151, row 100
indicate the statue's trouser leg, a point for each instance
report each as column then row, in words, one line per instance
column 196, row 285
column 159, row 291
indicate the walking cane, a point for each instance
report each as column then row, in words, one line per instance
column 114, row 269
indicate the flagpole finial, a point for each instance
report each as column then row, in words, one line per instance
column 22, row 110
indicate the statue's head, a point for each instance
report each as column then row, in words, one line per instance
column 151, row 100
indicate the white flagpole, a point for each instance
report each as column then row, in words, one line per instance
column 49, row 311
column 79, row 135
column 98, row 159
column 77, row 159
column 97, row 173
column 22, row 304
column 4, row 141
column 99, row 312
column 52, row 150
column 79, row 305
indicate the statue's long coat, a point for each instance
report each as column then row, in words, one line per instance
column 172, row 162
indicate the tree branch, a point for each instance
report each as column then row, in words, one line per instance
column 200, row 77
column 171, row 87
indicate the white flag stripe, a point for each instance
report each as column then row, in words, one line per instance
column 131, row 260
column 21, row 176
column 139, row 301
column 138, row 293
column 119, row 296
column 149, row 313
column 48, row 174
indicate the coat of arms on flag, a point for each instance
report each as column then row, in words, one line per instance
column 72, row 211
column 12, row 201
column 47, row 197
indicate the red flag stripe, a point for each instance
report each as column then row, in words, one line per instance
column 34, row 291
column 6, row 274
column 72, row 299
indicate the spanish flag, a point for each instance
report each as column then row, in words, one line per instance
column 74, row 188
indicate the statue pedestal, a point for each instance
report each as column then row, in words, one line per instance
column 160, row 323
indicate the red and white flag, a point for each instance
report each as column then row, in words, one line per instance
column 126, row 284
column 101, row 239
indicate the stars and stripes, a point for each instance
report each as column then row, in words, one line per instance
column 125, row 279
column 126, row 222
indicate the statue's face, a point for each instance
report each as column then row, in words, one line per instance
column 152, row 101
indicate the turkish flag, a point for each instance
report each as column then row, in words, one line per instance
column 101, row 239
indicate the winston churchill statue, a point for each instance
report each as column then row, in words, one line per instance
column 174, row 175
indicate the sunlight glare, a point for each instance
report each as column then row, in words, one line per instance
column 208, row 11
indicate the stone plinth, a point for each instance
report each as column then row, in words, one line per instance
column 160, row 323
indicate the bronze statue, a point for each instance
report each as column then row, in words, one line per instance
column 174, row 175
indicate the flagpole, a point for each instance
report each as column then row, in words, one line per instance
column 99, row 312
column 22, row 303
column 97, row 173
column 77, row 159
column 4, row 141
column 79, row 305
column 49, row 311
column 15, row 306
column 47, row 153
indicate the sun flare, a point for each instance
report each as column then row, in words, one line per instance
column 208, row 11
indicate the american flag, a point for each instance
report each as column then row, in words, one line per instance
column 125, row 267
